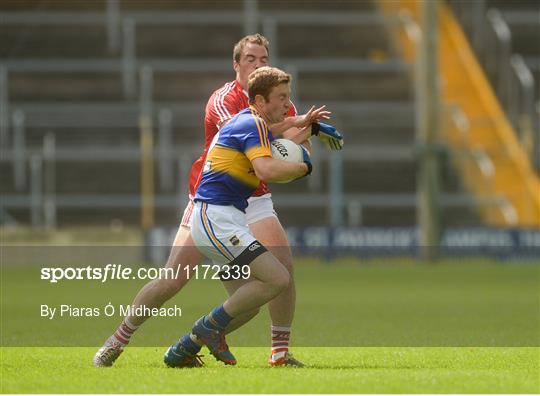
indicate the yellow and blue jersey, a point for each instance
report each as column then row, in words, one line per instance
column 228, row 178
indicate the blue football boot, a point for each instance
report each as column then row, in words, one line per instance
column 179, row 357
column 215, row 341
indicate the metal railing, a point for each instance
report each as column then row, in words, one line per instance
column 491, row 37
column 497, row 60
column 490, row 31
column 477, row 160
column 42, row 198
column 44, row 202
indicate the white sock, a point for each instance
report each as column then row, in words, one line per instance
column 280, row 341
column 124, row 332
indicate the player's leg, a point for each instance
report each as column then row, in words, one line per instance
column 265, row 226
column 269, row 278
column 223, row 236
column 282, row 307
column 185, row 353
column 231, row 286
column 154, row 294
column 270, row 232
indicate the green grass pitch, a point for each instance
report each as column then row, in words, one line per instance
column 332, row 370
column 362, row 326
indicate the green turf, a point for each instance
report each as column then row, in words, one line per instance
column 332, row 370
column 455, row 303
column 390, row 326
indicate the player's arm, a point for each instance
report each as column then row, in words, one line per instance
column 326, row 133
column 256, row 146
column 300, row 122
column 297, row 135
column 270, row 170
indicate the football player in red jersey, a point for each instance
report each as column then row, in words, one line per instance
column 250, row 53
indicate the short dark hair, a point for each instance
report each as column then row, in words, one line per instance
column 262, row 80
column 256, row 38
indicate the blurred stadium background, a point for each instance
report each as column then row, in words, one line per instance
column 102, row 102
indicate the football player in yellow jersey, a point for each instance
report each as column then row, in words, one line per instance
column 239, row 158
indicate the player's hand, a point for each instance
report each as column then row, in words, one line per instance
column 328, row 135
column 313, row 115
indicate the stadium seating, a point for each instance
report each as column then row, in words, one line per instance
column 67, row 74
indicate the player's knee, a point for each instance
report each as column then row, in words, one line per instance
column 281, row 281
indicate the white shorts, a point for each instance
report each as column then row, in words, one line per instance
column 258, row 208
column 222, row 234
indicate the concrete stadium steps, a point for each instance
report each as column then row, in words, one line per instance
column 317, row 5
column 177, row 85
column 108, row 86
column 116, row 177
column 126, row 216
column 387, row 177
column 110, row 137
column 361, row 177
column 99, row 5
column 525, row 39
column 7, row 181
column 78, row 217
column 188, row 86
column 107, row 123
column 104, row 177
column 393, row 217
column 338, row 41
column 375, row 124
column 528, row 5
column 52, row 5
column 76, row 177
column 377, row 216
column 184, row 41
column 65, row 86
column 357, row 130
column 81, row 136
column 371, row 216
column 175, row 40
column 183, row 5
column 364, row 123
column 45, row 41
column 380, row 136
column 208, row 5
column 356, row 86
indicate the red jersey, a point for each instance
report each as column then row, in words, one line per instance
column 223, row 105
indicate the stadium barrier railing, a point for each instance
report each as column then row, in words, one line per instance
column 43, row 201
